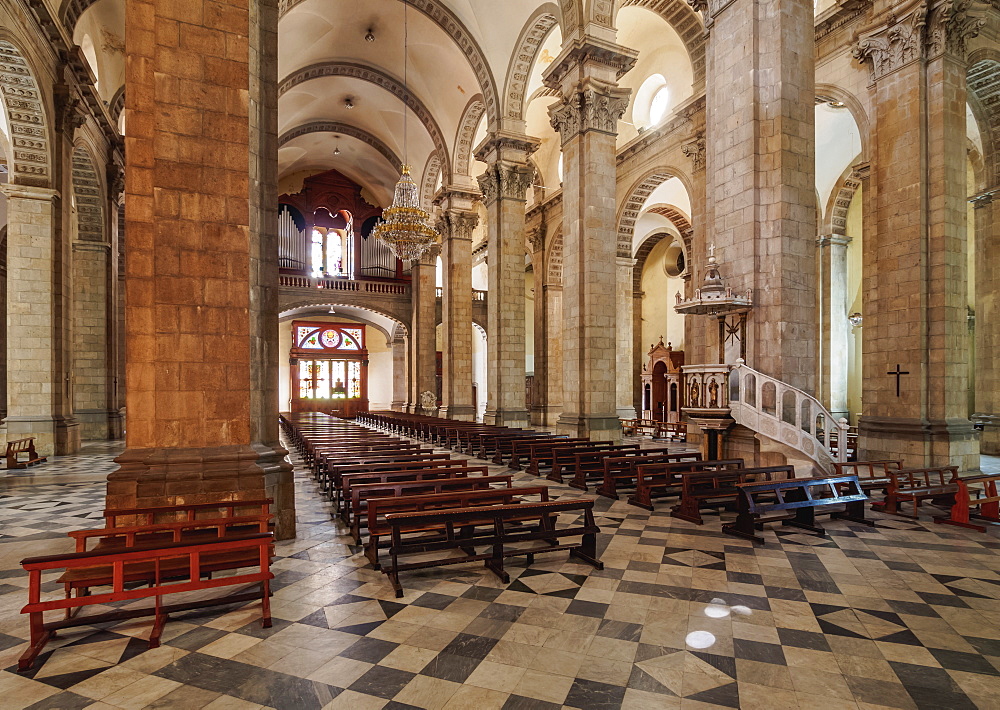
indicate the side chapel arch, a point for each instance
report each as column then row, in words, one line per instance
column 28, row 128
column 535, row 31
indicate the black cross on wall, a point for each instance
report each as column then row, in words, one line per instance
column 898, row 373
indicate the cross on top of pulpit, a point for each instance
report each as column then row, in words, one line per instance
column 898, row 373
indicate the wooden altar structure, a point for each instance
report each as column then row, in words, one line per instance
column 329, row 368
column 662, row 388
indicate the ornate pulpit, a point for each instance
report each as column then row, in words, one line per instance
column 662, row 388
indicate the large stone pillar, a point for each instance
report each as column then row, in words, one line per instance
column 91, row 336
column 39, row 386
column 760, row 163
column 586, row 72
column 504, row 186
column 423, row 338
column 987, row 216
column 552, row 301
column 456, row 225
column 399, row 372
column 915, row 266
column 625, row 371
column 201, row 319
column 834, row 326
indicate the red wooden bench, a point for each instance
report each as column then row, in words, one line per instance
column 16, row 447
column 974, row 492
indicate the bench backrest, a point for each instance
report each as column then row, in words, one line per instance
column 188, row 512
column 411, row 489
column 671, row 467
column 380, row 507
column 499, row 513
column 723, row 481
column 20, row 446
column 867, row 469
column 349, row 469
column 349, row 480
column 800, row 493
column 923, row 477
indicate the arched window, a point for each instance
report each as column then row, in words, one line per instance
column 652, row 102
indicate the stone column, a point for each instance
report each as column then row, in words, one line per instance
column 586, row 73
column 38, row 379
column 456, row 225
column 834, row 325
column 540, row 390
column 504, row 186
column 552, row 299
column 626, row 355
column 423, row 335
column 915, row 261
column 91, row 336
column 987, row 410
column 760, row 163
column 399, row 372
column 116, row 348
column 200, row 312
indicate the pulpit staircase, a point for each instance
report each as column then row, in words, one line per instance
column 787, row 420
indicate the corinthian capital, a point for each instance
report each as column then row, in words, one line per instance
column 594, row 107
column 891, row 47
column 505, row 181
column 951, row 27
column 455, row 224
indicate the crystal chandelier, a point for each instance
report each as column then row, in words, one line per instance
column 405, row 227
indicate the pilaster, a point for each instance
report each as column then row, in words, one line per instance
column 399, row 372
column 833, row 323
column 987, row 389
column 504, row 186
column 625, row 357
column 423, row 335
column 457, row 223
column 39, row 382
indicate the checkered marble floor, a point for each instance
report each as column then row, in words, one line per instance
column 906, row 615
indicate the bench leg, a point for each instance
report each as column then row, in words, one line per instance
column 855, row 512
column 805, row 518
column 159, row 621
column 745, row 527
column 587, row 551
column 39, row 637
column 642, row 498
column 265, row 604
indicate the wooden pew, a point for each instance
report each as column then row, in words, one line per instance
column 623, row 468
column 544, row 453
column 505, row 534
column 873, row 475
column 379, row 508
column 628, row 426
column 145, row 572
column 664, row 478
column 350, row 480
column 916, row 485
column 974, row 492
column 520, row 448
column 363, row 494
column 16, row 447
column 715, row 489
column 673, row 431
column 580, row 460
column 802, row 496
column 330, row 476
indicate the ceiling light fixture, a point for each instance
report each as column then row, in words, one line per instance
column 336, row 148
column 349, row 102
column 369, row 35
column 404, row 227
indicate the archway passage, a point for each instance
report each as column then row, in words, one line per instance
column 26, row 118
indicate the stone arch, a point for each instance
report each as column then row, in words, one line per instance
column 428, row 182
column 299, row 309
column 89, row 196
column 834, row 94
column 529, row 43
column 554, row 261
column 27, row 124
column 978, row 166
column 447, row 20
column 71, row 11
column 835, row 215
column 380, row 79
column 344, row 129
column 471, row 117
column 983, row 80
column 685, row 22
column 117, row 104
column 632, row 207
column 642, row 255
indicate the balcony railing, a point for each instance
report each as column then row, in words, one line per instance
column 354, row 285
column 477, row 295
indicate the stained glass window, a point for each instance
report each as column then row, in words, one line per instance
column 316, row 252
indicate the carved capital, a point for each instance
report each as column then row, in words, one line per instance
column 696, row 152
column 862, row 171
column 535, row 237
column 70, row 113
column 456, row 224
column 116, row 181
column 505, row 181
column 893, row 46
column 951, row 27
column 593, row 108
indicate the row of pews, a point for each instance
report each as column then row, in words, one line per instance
column 412, row 507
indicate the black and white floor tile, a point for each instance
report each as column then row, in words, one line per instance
column 906, row 615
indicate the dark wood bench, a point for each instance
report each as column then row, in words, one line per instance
column 520, row 448
column 506, row 532
column 622, row 469
column 673, row 431
column 801, row 496
column 379, row 508
column 664, row 478
column 142, row 572
column 364, row 494
column 350, row 480
column 916, row 485
column 717, row 489
column 329, row 475
column 543, row 454
column 873, row 475
column 578, row 461
column 16, row 447
column 974, row 492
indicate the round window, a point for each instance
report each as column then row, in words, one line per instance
column 658, row 105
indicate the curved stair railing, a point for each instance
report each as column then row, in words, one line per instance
column 787, row 415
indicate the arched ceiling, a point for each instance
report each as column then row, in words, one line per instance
column 102, row 23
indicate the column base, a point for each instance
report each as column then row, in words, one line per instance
column 989, row 438
column 54, row 435
column 546, row 414
column 506, row 417
column 626, row 413
column 398, row 407
column 597, row 428
column 158, row 477
column 919, row 442
column 458, row 412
